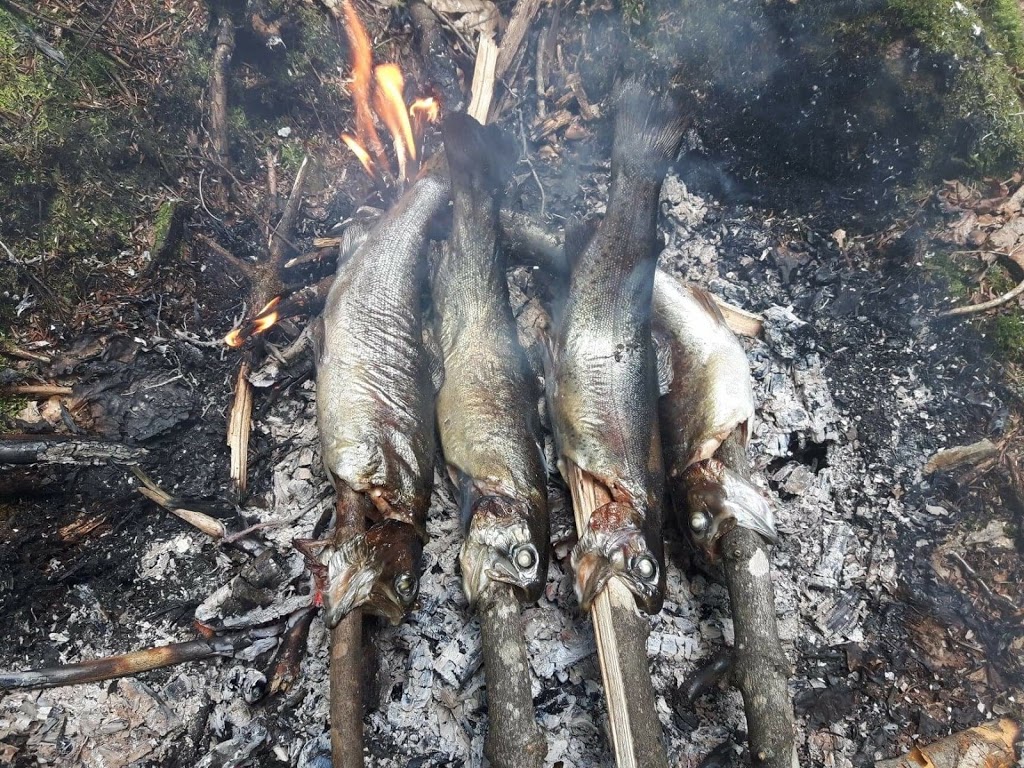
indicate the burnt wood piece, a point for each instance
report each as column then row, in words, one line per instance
column 286, row 668
column 436, row 56
column 224, row 49
column 132, row 663
column 760, row 667
column 65, row 449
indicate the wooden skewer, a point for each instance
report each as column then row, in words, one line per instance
column 622, row 650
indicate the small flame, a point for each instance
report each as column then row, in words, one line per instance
column 388, row 104
column 261, row 324
column 359, row 152
column 234, row 339
column 423, row 111
column 264, row 320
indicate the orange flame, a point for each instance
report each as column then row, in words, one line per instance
column 264, row 320
column 423, row 111
column 390, row 105
column 359, row 152
column 362, row 72
column 261, row 324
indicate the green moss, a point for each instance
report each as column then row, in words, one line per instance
column 1007, row 330
column 1006, row 25
column 983, row 43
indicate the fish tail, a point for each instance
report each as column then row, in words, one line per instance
column 649, row 129
column 480, row 158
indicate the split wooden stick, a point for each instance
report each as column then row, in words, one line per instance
column 483, row 78
column 239, row 426
column 622, row 650
column 760, row 668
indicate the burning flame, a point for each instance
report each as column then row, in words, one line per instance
column 264, row 320
column 423, row 111
column 362, row 73
column 360, row 153
column 388, row 104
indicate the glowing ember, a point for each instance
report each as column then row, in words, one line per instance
column 359, row 152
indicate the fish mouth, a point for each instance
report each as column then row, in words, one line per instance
column 720, row 500
column 352, row 570
column 483, row 564
column 621, row 554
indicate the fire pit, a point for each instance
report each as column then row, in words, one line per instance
column 896, row 579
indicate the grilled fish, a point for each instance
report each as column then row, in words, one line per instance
column 375, row 394
column 709, row 398
column 603, row 391
column 487, row 406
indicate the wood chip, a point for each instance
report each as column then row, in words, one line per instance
column 950, row 458
column 483, row 78
column 988, row 746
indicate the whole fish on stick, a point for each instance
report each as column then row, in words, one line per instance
column 491, row 435
column 603, row 391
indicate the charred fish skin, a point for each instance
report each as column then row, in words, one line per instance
column 603, row 391
column 709, row 398
column 377, row 570
column 487, row 406
column 375, row 397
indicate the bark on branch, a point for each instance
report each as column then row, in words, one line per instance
column 760, row 668
column 514, row 740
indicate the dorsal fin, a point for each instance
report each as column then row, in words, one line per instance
column 707, row 303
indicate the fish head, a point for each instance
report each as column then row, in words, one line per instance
column 500, row 546
column 398, row 550
column 352, row 570
column 718, row 500
column 377, row 570
column 615, row 546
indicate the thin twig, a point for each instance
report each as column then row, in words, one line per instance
column 533, row 171
column 986, row 305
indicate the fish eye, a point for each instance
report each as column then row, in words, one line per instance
column 524, row 557
column 405, row 585
column 645, row 567
column 699, row 523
